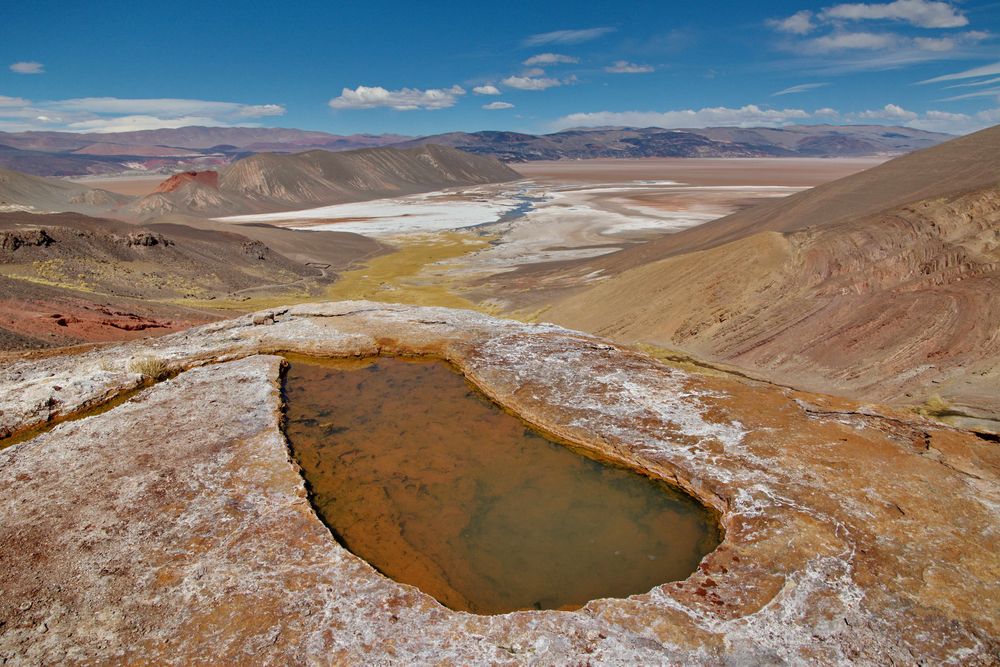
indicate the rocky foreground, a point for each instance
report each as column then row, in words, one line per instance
column 174, row 528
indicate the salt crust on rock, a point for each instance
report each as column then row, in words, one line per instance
column 174, row 528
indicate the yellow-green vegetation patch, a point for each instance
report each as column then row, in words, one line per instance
column 250, row 304
column 416, row 273
column 51, row 273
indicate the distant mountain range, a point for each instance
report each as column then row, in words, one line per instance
column 166, row 150
column 630, row 142
column 198, row 148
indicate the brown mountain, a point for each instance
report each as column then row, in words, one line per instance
column 273, row 182
column 21, row 192
column 884, row 285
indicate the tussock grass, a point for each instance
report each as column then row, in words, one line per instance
column 151, row 368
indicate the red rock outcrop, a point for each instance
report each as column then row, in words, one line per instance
column 177, row 181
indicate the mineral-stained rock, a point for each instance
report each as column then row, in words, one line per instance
column 174, row 528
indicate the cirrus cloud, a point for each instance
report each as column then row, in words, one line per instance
column 567, row 36
column 746, row 116
column 985, row 70
column 404, row 99
column 801, row 88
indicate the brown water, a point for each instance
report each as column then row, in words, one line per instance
column 425, row 478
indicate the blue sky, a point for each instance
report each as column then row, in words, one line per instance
column 347, row 67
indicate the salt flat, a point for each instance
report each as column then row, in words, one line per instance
column 427, row 212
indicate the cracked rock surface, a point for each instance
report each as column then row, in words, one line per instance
column 175, row 529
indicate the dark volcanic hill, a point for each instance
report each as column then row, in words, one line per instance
column 884, row 284
column 273, row 182
column 791, row 141
column 68, row 278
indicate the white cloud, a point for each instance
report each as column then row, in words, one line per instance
column 550, row 59
column 956, row 123
column 486, row 90
column 567, row 36
column 799, row 23
column 919, row 13
column 493, row 106
column 258, row 110
column 531, row 83
column 985, row 70
column 801, row 88
column 533, row 71
column 625, row 67
column 139, row 122
column 404, row 99
column 753, row 116
column 167, row 106
column 840, row 41
column 112, row 114
column 747, row 116
column 28, row 67
column 888, row 112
